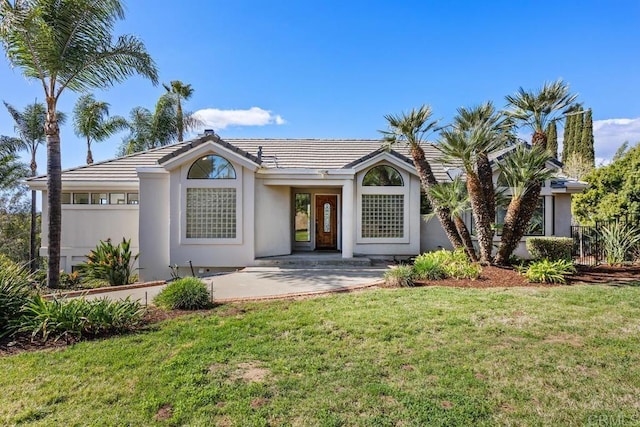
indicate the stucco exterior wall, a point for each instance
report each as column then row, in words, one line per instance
column 432, row 235
column 273, row 228
column 83, row 226
column 154, row 225
column 205, row 254
column 562, row 219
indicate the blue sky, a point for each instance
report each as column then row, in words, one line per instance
column 333, row 69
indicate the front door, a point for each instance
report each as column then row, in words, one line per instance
column 326, row 221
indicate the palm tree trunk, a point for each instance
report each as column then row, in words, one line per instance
column 180, row 121
column 463, row 231
column 488, row 211
column 33, row 256
column 516, row 222
column 481, row 216
column 89, row 154
column 54, row 192
column 539, row 139
column 428, row 180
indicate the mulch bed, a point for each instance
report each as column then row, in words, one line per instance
column 491, row 277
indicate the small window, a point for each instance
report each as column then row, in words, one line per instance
column 382, row 176
column 303, row 217
column 211, row 167
column 66, row 198
column 99, row 199
column 116, row 198
column 80, row 198
column 132, row 198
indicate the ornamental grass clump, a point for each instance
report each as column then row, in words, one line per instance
column 188, row 293
column 399, row 276
column 445, row 264
column 113, row 264
column 619, row 241
column 16, row 290
column 75, row 318
column 546, row 271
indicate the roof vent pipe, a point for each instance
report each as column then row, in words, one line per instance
column 260, row 152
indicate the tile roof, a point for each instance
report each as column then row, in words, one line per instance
column 276, row 153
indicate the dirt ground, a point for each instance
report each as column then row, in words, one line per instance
column 491, row 277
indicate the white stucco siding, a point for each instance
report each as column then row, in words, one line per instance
column 212, row 253
column 562, row 218
column 273, row 219
column 83, row 226
column 432, row 235
column 154, row 225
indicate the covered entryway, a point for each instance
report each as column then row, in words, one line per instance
column 317, row 222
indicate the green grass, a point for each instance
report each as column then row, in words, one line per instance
column 410, row 356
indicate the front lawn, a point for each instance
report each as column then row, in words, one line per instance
column 421, row 356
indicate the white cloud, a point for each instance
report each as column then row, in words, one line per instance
column 221, row 119
column 610, row 134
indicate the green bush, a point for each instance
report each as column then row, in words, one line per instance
column 619, row 241
column 111, row 263
column 77, row 317
column 15, row 291
column 188, row 293
column 399, row 276
column 547, row 271
column 445, row 264
column 551, row 248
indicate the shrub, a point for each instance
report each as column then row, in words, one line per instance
column 188, row 293
column 15, row 292
column 547, row 271
column 444, row 264
column 551, row 248
column 399, row 276
column 77, row 317
column 619, row 241
column 111, row 263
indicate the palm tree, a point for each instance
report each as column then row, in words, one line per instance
column 522, row 171
column 180, row 91
column 91, row 120
column 29, row 126
column 67, row 44
column 475, row 133
column 11, row 170
column 534, row 110
column 410, row 129
column 453, row 195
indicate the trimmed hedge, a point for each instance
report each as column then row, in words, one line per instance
column 551, row 248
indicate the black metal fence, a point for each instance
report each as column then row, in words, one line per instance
column 587, row 240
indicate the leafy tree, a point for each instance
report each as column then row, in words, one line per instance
column 91, row 121
column 410, row 129
column 15, row 239
column 67, row 44
column 576, row 166
column 552, row 138
column 184, row 122
column 534, row 110
column 475, row 133
column 11, row 169
column 614, row 190
column 29, row 127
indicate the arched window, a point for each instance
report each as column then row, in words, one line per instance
column 211, row 167
column 382, row 176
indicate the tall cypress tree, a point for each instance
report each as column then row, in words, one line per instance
column 576, row 136
column 586, row 143
column 552, row 139
column 567, row 146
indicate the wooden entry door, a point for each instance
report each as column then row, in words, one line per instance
column 326, row 221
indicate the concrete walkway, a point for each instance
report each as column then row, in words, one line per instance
column 269, row 282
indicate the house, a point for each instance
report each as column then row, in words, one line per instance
column 227, row 203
